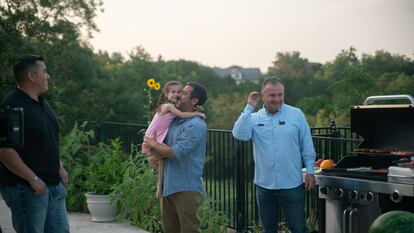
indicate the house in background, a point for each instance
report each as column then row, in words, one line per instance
column 239, row 74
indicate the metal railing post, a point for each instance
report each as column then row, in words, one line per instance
column 334, row 144
column 333, row 128
column 239, row 160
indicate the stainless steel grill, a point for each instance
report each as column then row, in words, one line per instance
column 359, row 189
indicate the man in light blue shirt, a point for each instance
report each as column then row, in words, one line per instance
column 282, row 143
column 184, row 154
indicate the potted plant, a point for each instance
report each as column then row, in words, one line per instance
column 103, row 173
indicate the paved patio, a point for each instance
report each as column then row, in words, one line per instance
column 79, row 223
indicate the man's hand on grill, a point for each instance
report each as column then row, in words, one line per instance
column 310, row 181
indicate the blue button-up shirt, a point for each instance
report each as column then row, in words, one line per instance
column 281, row 143
column 187, row 138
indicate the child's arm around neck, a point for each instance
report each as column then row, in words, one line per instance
column 165, row 108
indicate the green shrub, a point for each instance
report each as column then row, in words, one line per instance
column 212, row 221
column 91, row 168
column 106, row 168
column 138, row 202
column 74, row 152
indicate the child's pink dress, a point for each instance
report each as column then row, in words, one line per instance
column 159, row 126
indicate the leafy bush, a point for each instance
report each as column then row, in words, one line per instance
column 212, row 221
column 141, row 207
column 106, row 168
column 91, row 168
column 74, row 152
column 138, row 186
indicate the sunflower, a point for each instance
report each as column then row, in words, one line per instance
column 151, row 83
column 157, row 86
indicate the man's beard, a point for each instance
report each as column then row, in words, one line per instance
column 180, row 105
column 271, row 109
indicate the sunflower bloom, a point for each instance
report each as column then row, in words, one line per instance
column 151, row 83
column 157, row 86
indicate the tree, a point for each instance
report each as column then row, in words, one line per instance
column 401, row 84
column 383, row 62
column 297, row 74
column 49, row 20
column 225, row 109
column 332, row 71
column 291, row 65
column 53, row 28
column 351, row 89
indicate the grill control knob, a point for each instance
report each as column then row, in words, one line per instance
column 353, row 195
column 338, row 192
column 324, row 190
column 396, row 196
column 370, row 197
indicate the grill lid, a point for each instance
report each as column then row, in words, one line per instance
column 385, row 127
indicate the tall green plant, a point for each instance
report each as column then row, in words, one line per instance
column 142, row 208
column 106, row 168
column 138, row 187
column 151, row 85
column 74, row 152
column 212, row 221
column 91, row 168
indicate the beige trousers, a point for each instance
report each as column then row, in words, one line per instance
column 179, row 212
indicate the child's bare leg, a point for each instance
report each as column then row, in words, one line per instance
column 153, row 161
column 160, row 178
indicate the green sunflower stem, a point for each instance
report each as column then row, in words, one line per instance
column 149, row 106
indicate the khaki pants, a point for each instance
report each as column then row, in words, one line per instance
column 179, row 212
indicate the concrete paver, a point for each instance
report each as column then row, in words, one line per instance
column 78, row 222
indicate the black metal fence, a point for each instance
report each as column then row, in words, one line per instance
column 129, row 134
column 229, row 168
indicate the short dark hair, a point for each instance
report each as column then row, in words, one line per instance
column 272, row 80
column 198, row 92
column 25, row 64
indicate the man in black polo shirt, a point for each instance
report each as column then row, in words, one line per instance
column 32, row 177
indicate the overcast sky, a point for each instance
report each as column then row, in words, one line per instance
column 249, row 33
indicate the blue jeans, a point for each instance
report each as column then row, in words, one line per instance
column 292, row 201
column 45, row 213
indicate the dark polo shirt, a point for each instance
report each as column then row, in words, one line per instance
column 41, row 139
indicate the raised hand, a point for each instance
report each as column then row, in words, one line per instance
column 253, row 98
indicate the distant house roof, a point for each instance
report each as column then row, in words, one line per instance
column 251, row 73
column 239, row 74
column 221, row 72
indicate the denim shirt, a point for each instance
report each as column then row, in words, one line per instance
column 281, row 143
column 187, row 138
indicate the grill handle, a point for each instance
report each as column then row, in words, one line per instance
column 354, row 225
column 345, row 220
column 388, row 97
